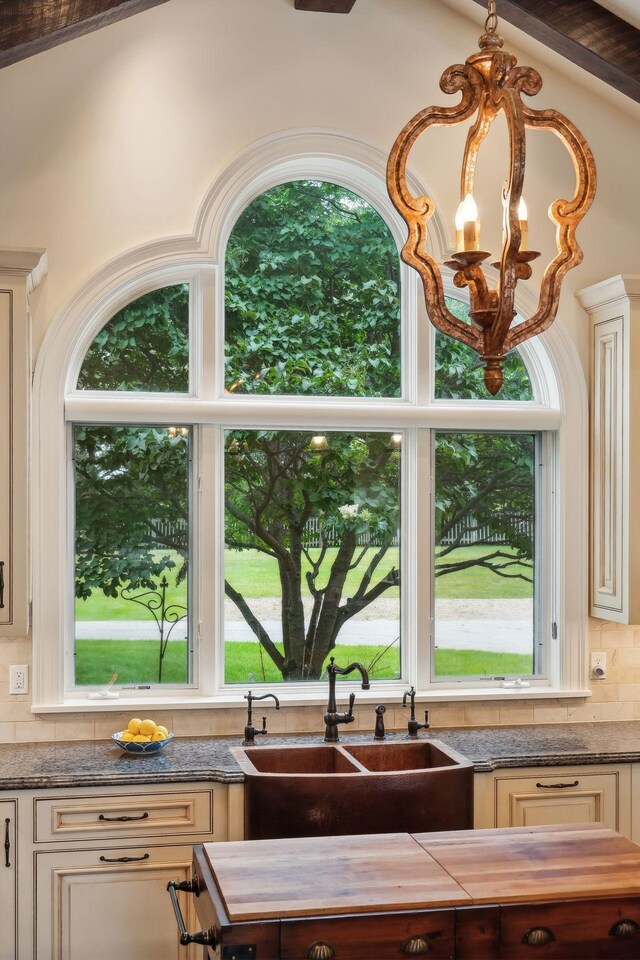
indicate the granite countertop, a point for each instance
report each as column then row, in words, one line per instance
column 100, row 763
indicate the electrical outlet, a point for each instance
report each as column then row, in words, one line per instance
column 599, row 665
column 19, row 679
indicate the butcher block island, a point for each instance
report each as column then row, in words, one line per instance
column 553, row 892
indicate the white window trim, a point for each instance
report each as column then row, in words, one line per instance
column 551, row 359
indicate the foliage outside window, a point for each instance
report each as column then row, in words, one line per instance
column 313, row 522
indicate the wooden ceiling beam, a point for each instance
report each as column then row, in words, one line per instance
column 325, row 6
column 28, row 27
column 583, row 32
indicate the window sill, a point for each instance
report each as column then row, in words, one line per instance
column 298, row 699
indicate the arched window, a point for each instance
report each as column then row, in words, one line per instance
column 289, row 469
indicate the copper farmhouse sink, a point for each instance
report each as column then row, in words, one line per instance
column 330, row 790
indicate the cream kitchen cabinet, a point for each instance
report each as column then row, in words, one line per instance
column 102, row 861
column 20, row 272
column 9, row 880
column 536, row 796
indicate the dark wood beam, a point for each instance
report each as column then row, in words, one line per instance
column 325, row 6
column 583, row 32
column 31, row 26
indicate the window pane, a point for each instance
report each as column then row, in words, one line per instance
column 132, row 554
column 312, row 559
column 459, row 374
column 312, row 296
column 144, row 347
column 484, row 554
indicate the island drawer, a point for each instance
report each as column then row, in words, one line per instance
column 587, row 929
column 362, row 937
column 175, row 813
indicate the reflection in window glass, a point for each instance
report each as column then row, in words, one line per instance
column 132, row 554
column 485, row 540
column 459, row 373
column 144, row 347
column 312, row 559
column 312, row 296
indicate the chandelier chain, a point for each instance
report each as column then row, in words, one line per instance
column 491, row 23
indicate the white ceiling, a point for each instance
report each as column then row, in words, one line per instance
column 629, row 10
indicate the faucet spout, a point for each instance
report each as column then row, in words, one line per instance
column 332, row 718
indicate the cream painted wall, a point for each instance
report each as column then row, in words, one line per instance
column 112, row 140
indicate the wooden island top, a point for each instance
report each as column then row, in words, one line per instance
column 371, row 896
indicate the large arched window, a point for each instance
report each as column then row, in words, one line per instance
column 290, row 469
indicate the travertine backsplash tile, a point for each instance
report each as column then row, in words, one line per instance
column 615, row 698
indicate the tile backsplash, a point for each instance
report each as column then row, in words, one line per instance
column 615, row 698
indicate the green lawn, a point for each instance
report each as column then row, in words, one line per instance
column 135, row 661
column 256, row 575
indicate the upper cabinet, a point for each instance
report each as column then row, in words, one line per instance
column 20, row 271
column 614, row 309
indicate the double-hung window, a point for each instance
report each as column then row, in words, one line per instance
column 279, row 462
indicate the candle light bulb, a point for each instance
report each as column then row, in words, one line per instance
column 467, row 224
column 523, row 217
column 522, row 210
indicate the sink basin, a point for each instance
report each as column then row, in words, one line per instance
column 394, row 786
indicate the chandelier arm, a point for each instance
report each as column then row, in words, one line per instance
column 566, row 214
column 475, row 137
column 416, row 211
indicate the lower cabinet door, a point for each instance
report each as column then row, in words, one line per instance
column 575, row 930
column 558, row 798
column 112, row 904
column 8, row 880
column 382, row 936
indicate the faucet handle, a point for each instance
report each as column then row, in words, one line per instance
column 264, row 725
column 352, row 700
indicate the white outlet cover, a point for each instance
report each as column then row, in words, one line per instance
column 19, row 679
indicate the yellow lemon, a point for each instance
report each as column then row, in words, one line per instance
column 161, row 729
column 127, row 736
column 140, row 738
column 147, row 727
column 134, row 725
column 159, row 735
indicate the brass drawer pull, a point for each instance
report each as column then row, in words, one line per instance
column 538, row 936
column 557, row 786
column 121, row 819
column 319, row 950
column 415, row 945
column 124, row 859
column 624, row 929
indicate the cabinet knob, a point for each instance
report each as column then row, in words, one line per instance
column 624, row 929
column 538, row 936
column 320, row 950
column 415, row 945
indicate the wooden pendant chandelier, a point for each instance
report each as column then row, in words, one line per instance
column 490, row 82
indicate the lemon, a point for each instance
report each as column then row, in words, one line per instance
column 141, row 738
column 134, row 725
column 147, row 727
column 159, row 735
column 161, row 729
column 127, row 736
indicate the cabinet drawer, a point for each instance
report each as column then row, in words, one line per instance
column 559, row 796
column 588, row 929
column 381, row 936
column 128, row 815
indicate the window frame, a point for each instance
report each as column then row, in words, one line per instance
column 558, row 385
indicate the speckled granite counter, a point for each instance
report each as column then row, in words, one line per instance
column 101, row 763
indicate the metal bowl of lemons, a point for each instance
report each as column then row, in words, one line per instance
column 142, row 737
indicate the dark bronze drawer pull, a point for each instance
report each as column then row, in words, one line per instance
column 1, row 584
column 320, row 950
column 624, row 929
column 538, row 936
column 415, row 945
column 125, row 859
column 121, row 819
column 205, row 937
column 557, row 786
column 7, row 842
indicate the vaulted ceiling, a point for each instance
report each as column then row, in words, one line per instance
column 588, row 33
